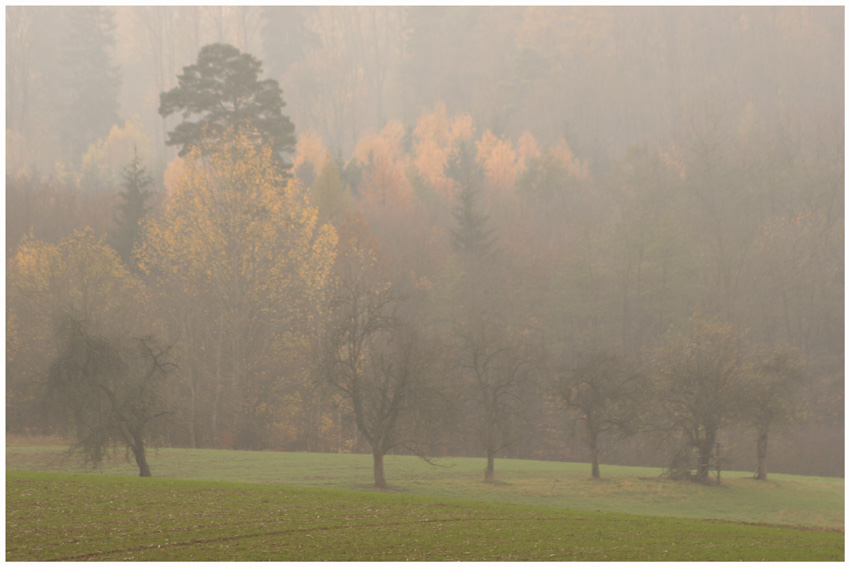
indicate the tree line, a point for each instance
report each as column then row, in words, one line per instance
column 603, row 77
column 444, row 291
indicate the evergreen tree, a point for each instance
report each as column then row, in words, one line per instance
column 351, row 174
column 222, row 89
column 132, row 208
column 90, row 81
column 288, row 36
column 543, row 179
column 471, row 236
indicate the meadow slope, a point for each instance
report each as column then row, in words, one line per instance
column 784, row 499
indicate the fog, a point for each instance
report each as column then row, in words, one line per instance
column 469, row 218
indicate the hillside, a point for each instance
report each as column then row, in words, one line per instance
column 784, row 499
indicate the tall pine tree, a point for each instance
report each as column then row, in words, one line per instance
column 90, row 80
column 131, row 208
column 222, row 91
column 471, row 236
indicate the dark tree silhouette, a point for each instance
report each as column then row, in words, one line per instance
column 223, row 92
column 471, row 235
column 381, row 366
column 90, row 81
column 771, row 399
column 602, row 394
column 109, row 390
column 699, row 389
column 497, row 367
column 131, row 208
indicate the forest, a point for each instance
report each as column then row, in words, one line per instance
column 594, row 234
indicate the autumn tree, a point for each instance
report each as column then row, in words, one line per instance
column 110, row 390
column 603, row 395
column 498, row 160
column 434, row 139
column 310, row 156
column 245, row 261
column 78, row 279
column 329, row 194
column 105, row 161
column 223, row 91
column 384, row 163
column 699, row 377
column 552, row 175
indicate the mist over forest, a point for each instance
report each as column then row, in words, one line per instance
column 596, row 234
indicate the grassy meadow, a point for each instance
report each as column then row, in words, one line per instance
column 212, row 505
column 65, row 517
column 783, row 499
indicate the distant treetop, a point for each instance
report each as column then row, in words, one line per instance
column 222, row 92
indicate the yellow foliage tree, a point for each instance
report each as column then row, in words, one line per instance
column 386, row 182
column 310, row 151
column 80, row 277
column 527, row 150
column 105, row 160
column 565, row 157
column 246, row 260
column 435, row 136
column 329, row 194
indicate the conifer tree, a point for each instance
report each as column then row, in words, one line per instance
column 132, row 208
column 90, row 81
column 471, row 236
column 224, row 92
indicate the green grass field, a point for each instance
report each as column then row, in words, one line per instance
column 288, row 506
column 63, row 517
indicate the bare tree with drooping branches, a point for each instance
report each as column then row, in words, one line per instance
column 109, row 390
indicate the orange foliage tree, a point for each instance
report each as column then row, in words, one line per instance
column 499, row 161
column 435, row 135
column 385, row 182
column 310, row 157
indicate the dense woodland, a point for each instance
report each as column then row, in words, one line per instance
column 611, row 235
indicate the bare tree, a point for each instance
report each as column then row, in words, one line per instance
column 699, row 381
column 383, row 369
column 109, row 389
column 497, row 366
column 380, row 365
column 601, row 394
column 771, row 399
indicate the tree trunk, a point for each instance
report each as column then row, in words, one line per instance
column 706, row 453
column 761, row 455
column 594, row 462
column 141, row 459
column 378, row 460
column 193, row 438
column 593, row 445
column 489, row 473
